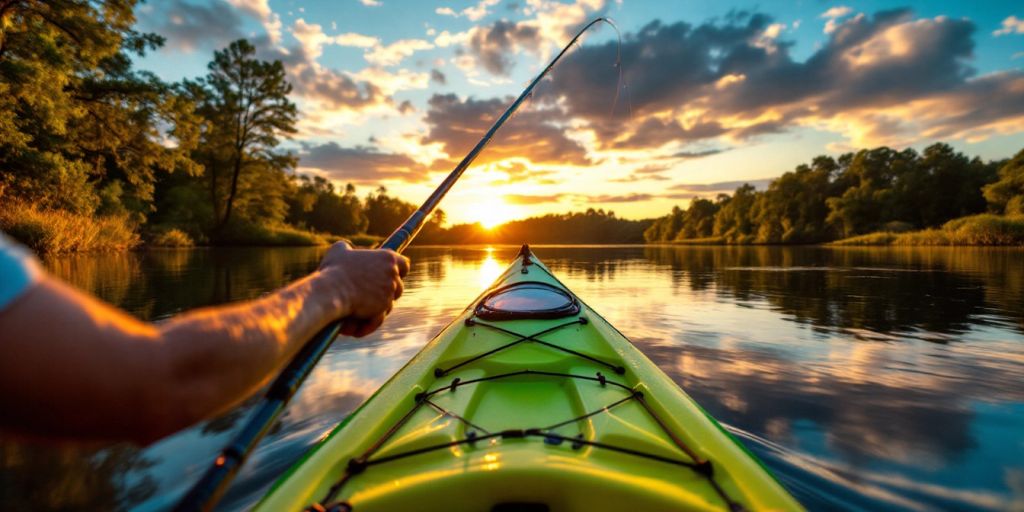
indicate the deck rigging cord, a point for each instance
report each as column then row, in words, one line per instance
column 208, row 490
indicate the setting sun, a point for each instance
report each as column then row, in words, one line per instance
column 494, row 213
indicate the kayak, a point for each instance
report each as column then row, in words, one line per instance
column 528, row 401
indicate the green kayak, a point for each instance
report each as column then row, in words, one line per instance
column 529, row 401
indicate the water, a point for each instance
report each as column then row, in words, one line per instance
column 865, row 378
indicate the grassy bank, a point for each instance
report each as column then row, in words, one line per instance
column 984, row 229
column 61, row 232
column 58, row 231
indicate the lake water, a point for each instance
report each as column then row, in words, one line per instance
column 865, row 378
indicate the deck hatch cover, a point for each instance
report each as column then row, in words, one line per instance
column 527, row 299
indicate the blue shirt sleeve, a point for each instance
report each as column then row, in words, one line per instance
column 18, row 271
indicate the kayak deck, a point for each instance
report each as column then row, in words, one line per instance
column 559, row 414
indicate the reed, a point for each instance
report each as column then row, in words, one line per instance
column 60, row 231
column 983, row 229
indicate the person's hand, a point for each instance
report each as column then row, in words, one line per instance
column 367, row 282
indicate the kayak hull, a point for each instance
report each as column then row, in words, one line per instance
column 559, row 414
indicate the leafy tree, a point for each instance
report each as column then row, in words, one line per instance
column 78, row 128
column 733, row 221
column 384, row 213
column 793, row 209
column 698, row 220
column 665, row 228
column 245, row 101
column 1007, row 194
column 316, row 205
column 868, row 199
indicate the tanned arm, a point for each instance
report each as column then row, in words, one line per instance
column 74, row 367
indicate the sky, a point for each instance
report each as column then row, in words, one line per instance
column 681, row 99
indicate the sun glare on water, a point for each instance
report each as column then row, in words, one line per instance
column 490, row 269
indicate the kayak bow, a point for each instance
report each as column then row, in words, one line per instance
column 529, row 400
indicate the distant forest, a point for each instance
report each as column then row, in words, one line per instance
column 880, row 189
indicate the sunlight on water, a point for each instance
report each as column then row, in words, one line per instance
column 490, row 269
column 864, row 378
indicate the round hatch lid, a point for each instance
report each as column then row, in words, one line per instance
column 528, row 299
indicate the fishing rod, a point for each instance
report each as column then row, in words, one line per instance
column 205, row 493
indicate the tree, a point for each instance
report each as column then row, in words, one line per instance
column 315, row 205
column 245, row 101
column 385, row 213
column 79, row 129
column 733, row 221
column 1007, row 194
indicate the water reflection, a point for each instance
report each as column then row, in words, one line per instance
column 865, row 378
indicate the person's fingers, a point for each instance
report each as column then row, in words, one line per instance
column 399, row 288
column 403, row 264
column 368, row 326
column 349, row 327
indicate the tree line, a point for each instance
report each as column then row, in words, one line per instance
column 879, row 189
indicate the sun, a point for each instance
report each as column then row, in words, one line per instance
column 494, row 213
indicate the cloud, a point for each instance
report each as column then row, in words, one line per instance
column 335, row 91
column 360, row 164
column 1011, row 25
column 437, row 77
column 261, row 9
column 394, row 53
column 883, row 79
column 690, row 155
column 623, row 198
column 721, row 186
column 494, row 45
column 371, row 3
column 533, row 134
column 833, row 15
column 518, row 172
column 531, row 199
column 472, row 13
column 355, row 40
column 189, row 27
column 652, row 172
column 836, row 12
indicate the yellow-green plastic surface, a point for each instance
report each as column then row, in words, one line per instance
column 530, row 470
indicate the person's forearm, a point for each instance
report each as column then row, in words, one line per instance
column 80, row 368
column 217, row 357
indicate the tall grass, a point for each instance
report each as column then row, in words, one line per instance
column 983, row 229
column 59, row 231
column 245, row 233
column 169, row 237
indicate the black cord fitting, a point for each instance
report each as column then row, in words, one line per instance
column 513, row 434
column 419, row 397
column 552, row 440
column 471, row 437
column 356, row 466
column 601, row 379
column 621, row 370
column 583, row 320
column 470, row 322
column 455, row 384
column 578, row 443
column 704, row 468
column 438, row 372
